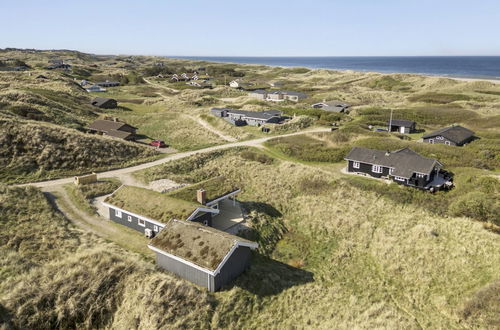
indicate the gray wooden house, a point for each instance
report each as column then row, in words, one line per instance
column 252, row 118
column 401, row 126
column 452, row 136
column 332, row 106
column 404, row 166
column 205, row 256
column 148, row 211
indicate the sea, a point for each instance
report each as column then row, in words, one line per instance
column 478, row 67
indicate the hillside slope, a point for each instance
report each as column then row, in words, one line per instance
column 33, row 151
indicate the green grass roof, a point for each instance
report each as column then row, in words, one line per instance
column 201, row 245
column 215, row 188
column 151, row 204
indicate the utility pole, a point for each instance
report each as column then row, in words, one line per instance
column 390, row 122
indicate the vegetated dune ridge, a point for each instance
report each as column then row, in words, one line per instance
column 32, row 151
column 325, row 259
column 336, row 251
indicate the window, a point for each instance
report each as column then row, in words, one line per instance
column 355, row 164
column 118, row 213
column 377, row 169
column 155, row 228
column 420, row 175
column 205, row 222
column 129, row 218
column 398, row 178
column 431, row 141
column 141, row 222
column 447, row 143
column 439, row 137
column 391, row 170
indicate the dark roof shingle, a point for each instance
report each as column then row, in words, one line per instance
column 405, row 161
column 457, row 134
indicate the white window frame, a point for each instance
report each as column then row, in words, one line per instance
column 118, row 213
column 431, row 141
column 143, row 224
column 391, row 170
column 155, row 228
column 420, row 175
column 399, row 178
column 439, row 137
column 447, row 143
column 129, row 218
column 355, row 164
column 377, row 169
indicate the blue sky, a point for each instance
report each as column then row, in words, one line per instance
column 255, row 28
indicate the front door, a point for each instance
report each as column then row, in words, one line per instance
column 402, row 130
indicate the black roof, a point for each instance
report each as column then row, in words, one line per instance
column 98, row 101
column 400, row 122
column 257, row 114
column 457, row 134
column 405, row 161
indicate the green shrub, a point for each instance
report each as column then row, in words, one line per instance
column 256, row 157
column 477, row 205
column 440, row 98
column 389, row 84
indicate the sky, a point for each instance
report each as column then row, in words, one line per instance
column 255, row 28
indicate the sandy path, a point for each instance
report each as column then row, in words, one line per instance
column 122, row 174
column 212, row 129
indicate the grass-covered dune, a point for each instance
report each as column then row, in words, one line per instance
column 53, row 276
column 32, row 151
column 367, row 260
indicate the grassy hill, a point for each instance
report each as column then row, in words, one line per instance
column 33, row 151
column 335, row 250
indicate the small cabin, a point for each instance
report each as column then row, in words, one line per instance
column 202, row 255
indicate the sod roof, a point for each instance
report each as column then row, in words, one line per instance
column 215, row 188
column 201, row 245
column 151, row 204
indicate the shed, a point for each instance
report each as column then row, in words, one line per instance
column 85, row 179
column 401, row 126
column 205, row 256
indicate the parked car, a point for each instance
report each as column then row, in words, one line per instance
column 380, row 129
column 158, row 144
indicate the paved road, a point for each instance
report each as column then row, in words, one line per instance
column 125, row 171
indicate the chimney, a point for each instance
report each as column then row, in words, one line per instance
column 201, row 196
column 387, row 153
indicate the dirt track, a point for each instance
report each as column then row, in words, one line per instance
column 123, row 172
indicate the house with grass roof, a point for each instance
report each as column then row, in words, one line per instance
column 205, row 256
column 148, row 211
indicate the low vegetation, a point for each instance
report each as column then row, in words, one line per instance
column 323, row 233
column 333, row 249
column 31, row 152
column 83, row 195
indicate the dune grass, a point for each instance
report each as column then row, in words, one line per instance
column 365, row 259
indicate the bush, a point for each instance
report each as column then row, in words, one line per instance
column 477, row 205
column 440, row 98
column 256, row 157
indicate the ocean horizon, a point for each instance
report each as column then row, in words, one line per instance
column 476, row 67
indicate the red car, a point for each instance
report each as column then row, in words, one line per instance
column 158, row 144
